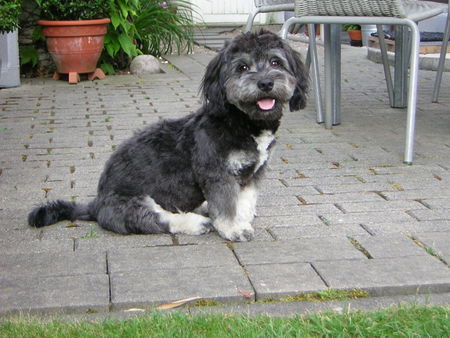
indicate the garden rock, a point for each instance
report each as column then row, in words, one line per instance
column 145, row 64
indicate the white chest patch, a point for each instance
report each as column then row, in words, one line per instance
column 263, row 142
column 239, row 160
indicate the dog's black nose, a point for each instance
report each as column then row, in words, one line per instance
column 265, row 85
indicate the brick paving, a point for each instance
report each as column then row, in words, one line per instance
column 337, row 209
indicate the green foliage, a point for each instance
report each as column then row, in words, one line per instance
column 10, row 11
column 120, row 45
column 73, row 9
column 146, row 26
column 164, row 27
column 28, row 55
column 352, row 27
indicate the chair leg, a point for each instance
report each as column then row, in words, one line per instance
column 328, row 80
column 312, row 56
column 412, row 93
column 251, row 18
column 385, row 60
column 437, row 81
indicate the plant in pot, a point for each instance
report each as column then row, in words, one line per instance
column 354, row 32
column 10, row 11
column 74, row 32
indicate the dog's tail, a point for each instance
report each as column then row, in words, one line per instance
column 56, row 211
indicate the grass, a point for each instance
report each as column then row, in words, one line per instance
column 403, row 321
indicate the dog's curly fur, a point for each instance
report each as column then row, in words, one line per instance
column 198, row 173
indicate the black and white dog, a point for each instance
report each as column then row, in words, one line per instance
column 200, row 172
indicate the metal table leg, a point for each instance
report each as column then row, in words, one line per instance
column 332, row 42
column 402, row 52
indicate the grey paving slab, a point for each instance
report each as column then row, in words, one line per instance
column 280, row 280
column 286, row 220
column 407, row 227
column 339, row 198
column 438, row 241
column 431, row 215
column 400, row 205
column 121, row 242
column 390, row 246
column 297, row 251
column 368, row 217
column 321, row 230
column 438, row 203
column 18, row 246
column 298, row 209
column 261, row 234
column 151, row 287
column 83, row 293
column 383, row 277
column 169, row 258
column 53, row 264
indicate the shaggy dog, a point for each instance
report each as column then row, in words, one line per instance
column 199, row 172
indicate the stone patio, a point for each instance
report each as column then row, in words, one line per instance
column 337, row 209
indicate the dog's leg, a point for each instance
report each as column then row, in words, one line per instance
column 202, row 209
column 145, row 216
column 187, row 223
column 233, row 212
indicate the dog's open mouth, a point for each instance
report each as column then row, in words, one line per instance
column 266, row 104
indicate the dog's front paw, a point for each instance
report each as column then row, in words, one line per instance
column 241, row 232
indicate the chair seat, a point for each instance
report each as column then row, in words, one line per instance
column 421, row 10
column 261, row 3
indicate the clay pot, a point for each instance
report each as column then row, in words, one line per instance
column 355, row 37
column 75, row 46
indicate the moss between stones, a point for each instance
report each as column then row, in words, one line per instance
column 321, row 296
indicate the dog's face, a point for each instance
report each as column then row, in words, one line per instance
column 258, row 73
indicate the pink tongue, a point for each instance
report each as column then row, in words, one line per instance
column 266, row 104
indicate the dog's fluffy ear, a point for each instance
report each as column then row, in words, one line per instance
column 213, row 82
column 298, row 100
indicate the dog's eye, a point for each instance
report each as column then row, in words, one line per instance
column 275, row 63
column 243, row 68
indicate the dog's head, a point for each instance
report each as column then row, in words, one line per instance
column 258, row 73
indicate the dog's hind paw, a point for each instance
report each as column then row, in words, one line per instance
column 190, row 224
column 236, row 232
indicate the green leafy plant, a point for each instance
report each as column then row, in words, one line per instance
column 91, row 233
column 165, row 26
column 73, row 10
column 350, row 27
column 120, row 41
column 10, row 11
column 146, row 26
column 28, row 55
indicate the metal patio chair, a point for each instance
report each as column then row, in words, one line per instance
column 376, row 12
column 268, row 6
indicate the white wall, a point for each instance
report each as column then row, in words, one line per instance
column 216, row 12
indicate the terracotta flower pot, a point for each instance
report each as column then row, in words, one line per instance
column 355, row 37
column 75, row 46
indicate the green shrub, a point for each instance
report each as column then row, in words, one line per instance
column 350, row 27
column 10, row 11
column 163, row 27
column 120, row 41
column 73, row 9
column 146, row 27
